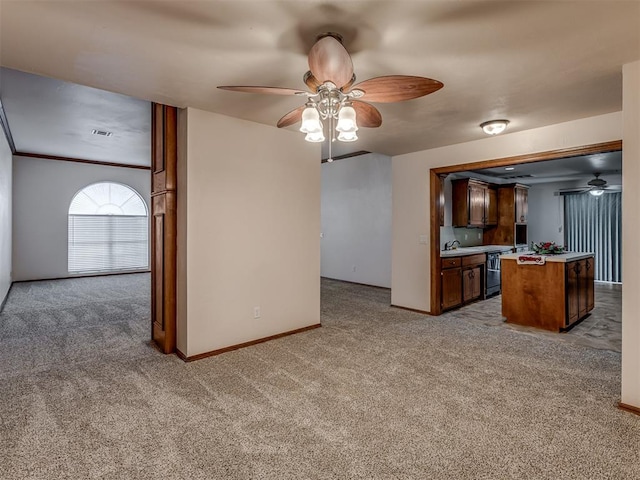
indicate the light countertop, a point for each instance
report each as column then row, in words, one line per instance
column 563, row 257
column 463, row 251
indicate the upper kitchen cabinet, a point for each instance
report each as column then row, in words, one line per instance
column 521, row 193
column 513, row 208
column 474, row 204
column 491, row 206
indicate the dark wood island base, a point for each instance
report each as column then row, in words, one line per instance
column 554, row 296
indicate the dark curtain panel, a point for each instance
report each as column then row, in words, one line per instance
column 594, row 224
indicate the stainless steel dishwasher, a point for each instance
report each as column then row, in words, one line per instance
column 493, row 271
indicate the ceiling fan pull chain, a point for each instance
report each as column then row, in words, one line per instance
column 331, row 137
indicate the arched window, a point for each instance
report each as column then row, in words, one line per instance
column 108, row 229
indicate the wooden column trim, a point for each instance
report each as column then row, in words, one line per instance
column 434, row 221
column 164, row 148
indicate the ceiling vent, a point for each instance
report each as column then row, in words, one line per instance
column 104, row 133
column 510, row 177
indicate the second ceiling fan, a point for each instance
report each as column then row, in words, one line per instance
column 334, row 98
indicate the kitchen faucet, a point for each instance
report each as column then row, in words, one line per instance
column 451, row 244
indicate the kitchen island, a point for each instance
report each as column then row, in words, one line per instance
column 552, row 292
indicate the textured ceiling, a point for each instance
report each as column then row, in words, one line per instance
column 53, row 117
column 533, row 62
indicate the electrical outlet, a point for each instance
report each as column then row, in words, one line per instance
column 479, row 236
column 354, row 268
column 466, row 236
column 256, row 312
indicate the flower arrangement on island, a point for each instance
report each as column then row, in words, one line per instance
column 546, row 248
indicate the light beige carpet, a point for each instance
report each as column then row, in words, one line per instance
column 377, row 393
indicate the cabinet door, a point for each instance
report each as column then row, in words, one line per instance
column 582, row 288
column 491, row 207
column 589, row 276
column 476, row 205
column 572, row 271
column 522, row 204
column 451, row 288
column 471, row 283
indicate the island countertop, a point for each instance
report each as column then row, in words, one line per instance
column 464, row 251
column 562, row 258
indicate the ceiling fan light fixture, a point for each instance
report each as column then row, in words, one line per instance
column 315, row 137
column 347, row 136
column 596, row 192
column 333, row 98
column 347, row 120
column 310, row 120
column 494, row 127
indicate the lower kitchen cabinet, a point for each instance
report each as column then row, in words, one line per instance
column 580, row 296
column 451, row 293
column 462, row 280
column 471, row 283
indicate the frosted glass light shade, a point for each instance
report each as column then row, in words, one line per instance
column 347, row 120
column 310, row 121
column 347, row 136
column 596, row 192
column 494, row 127
column 315, row 137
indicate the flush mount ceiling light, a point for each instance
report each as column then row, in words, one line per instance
column 335, row 100
column 494, row 127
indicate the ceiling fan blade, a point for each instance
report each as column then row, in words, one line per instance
column 396, row 88
column 330, row 61
column 292, row 117
column 367, row 115
column 311, row 81
column 265, row 90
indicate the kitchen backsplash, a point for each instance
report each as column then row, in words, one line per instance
column 468, row 237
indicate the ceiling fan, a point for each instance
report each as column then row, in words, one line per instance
column 596, row 187
column 333, row 97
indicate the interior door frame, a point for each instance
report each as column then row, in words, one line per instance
column 437, row 196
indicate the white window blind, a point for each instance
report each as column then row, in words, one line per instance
column 108, row 230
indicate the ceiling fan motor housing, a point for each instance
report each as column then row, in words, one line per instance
column 597, row 183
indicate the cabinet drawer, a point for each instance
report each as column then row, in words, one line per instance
column 474, row 259
column 450, row 262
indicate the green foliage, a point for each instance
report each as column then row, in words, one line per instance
column 546, row 248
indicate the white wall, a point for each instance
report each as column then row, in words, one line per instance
column 545, row 220
column 5, row 216
column 411, row 264
column 356, row 220
column 252, row 232
column 630, row 234
column 42, row 192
